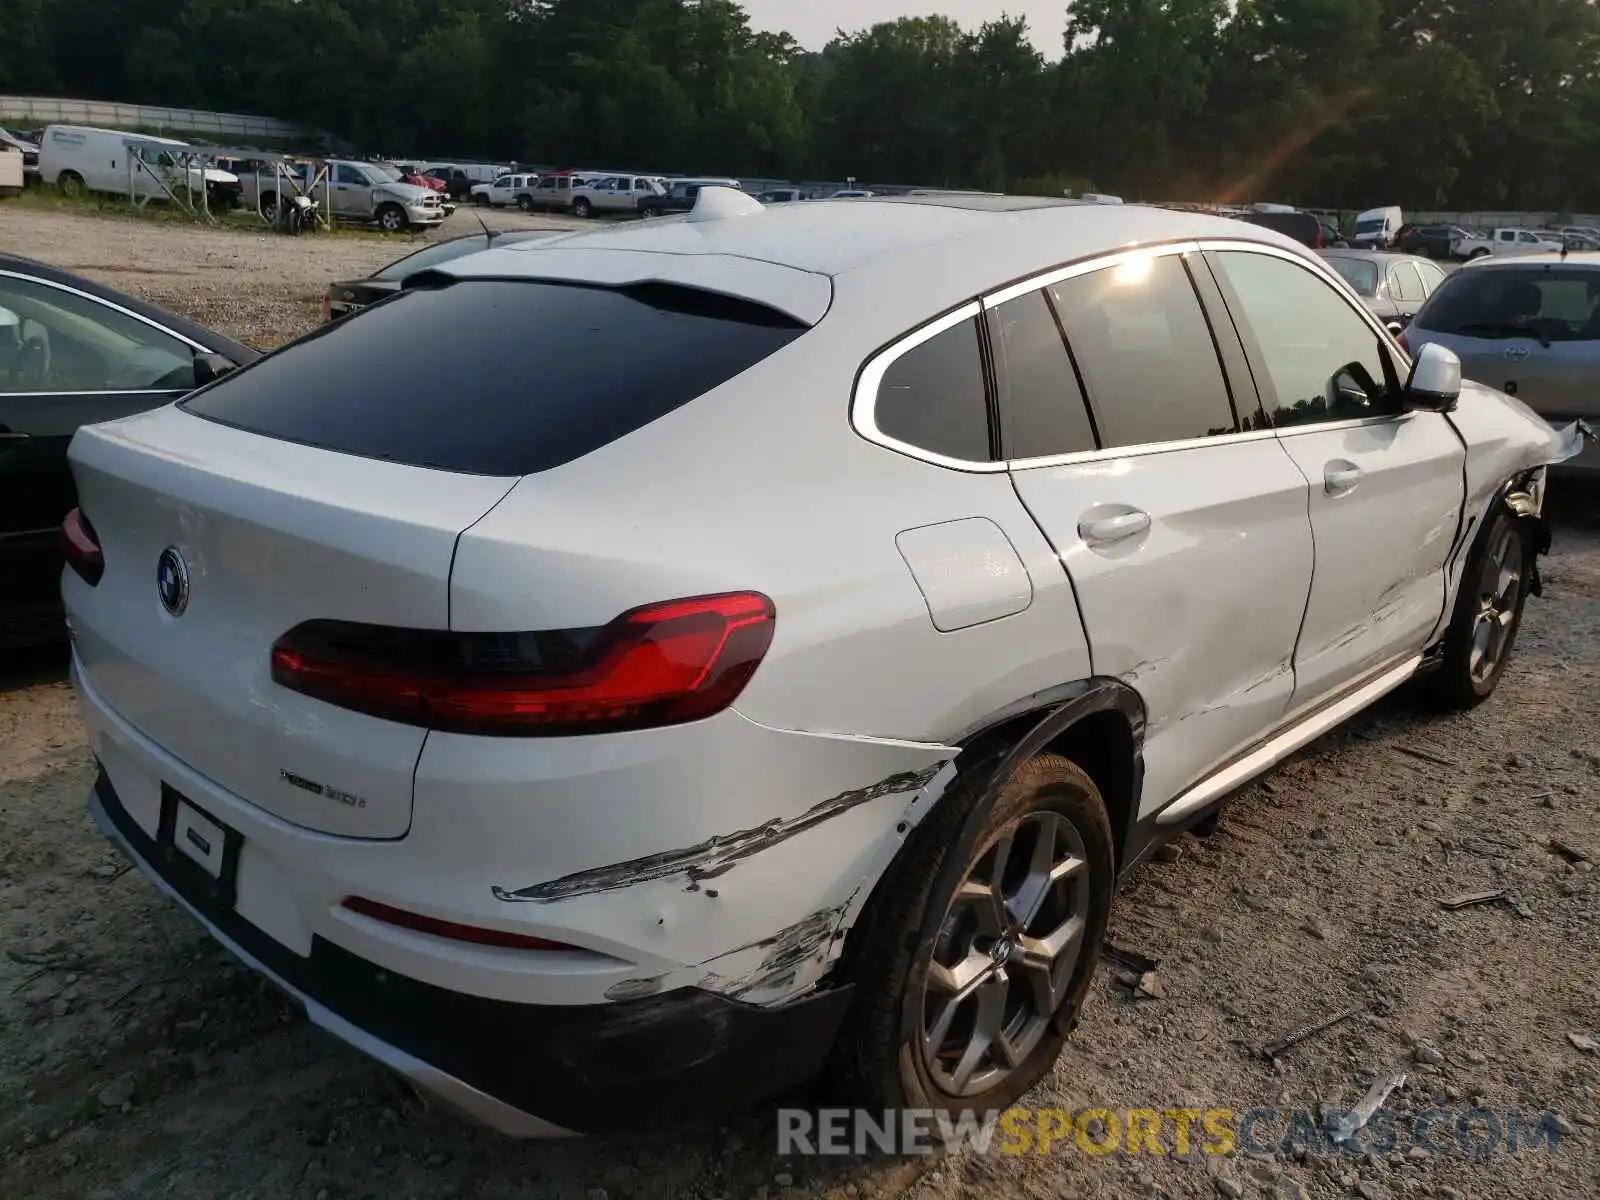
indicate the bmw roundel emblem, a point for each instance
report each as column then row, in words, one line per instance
column 172, row 581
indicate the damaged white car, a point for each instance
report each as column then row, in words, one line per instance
column 768, row 653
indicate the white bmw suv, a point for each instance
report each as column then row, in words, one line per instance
column 769, row 653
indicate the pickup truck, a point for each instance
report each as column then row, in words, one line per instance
column 1504, row 243
column 361, row 192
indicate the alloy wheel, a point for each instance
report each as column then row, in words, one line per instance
column 1499, row 586
column 1005, row 954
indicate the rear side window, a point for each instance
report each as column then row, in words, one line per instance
column 1405, row 282
column 1143, row 345
column 1042, row 407
column 933, row 396
column 496, row 376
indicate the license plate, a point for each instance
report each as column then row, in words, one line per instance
column 201, row 851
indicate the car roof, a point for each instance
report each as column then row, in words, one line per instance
column 237, row 351
column 1377, row 256
column 1577, row 258
column 836, row 238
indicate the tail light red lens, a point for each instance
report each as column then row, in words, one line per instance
column 1404, row 345
column 662, row 664
column 82, row 547
column 475, row 934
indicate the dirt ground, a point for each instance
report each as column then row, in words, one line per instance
column 136, row 1059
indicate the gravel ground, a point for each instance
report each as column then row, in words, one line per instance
column 136, row 1059
column 258, row 288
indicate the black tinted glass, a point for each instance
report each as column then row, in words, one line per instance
column 1559, row 304
column 432, row 256
column 933, row 396
column 1146, row 354
column 1042, row 407
column 535, row 374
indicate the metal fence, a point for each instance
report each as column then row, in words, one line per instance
column 45, row 110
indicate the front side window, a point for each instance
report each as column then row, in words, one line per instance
column 57, row 341
column 1431, row 275
column 1145, row 352
column 1323, row 361
column 933, row 396
column 348, row 174
column 1042, row 407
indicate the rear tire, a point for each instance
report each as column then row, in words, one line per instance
column 1488, row 613
column 1478, row 253
column 71, row 184
column 912, row 1042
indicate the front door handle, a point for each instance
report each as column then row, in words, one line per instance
column 1102, row 531
column 1340, row 477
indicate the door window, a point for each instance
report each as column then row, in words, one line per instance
column 1431, row 276
column 1142, row 344
column 1323, row 361
column 58, row 341
column 1404, row 283
column 933, row 396
column 1526, row 237
column 347, row 174
column 1042, row 406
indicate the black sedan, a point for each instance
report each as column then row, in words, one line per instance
column 348, row 295
column 73, row 353
column 1430, row 241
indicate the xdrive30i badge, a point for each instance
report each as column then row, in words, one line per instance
column 172, row 581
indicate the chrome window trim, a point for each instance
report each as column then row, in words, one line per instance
column 863, row 407
column 175, row 393
column 1111, row 259
column 127, row 312
column 864, row 400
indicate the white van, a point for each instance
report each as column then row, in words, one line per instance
column 1377, row 228
column 79, row 158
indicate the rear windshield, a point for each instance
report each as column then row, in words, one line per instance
column 1558, row 304
column 496, row 376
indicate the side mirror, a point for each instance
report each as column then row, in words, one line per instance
column 1434, row 384
column 208, row 367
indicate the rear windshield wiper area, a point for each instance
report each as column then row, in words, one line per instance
column 1492, row 330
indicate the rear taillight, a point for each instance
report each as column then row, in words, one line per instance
column 82, row 548
column 661, row 664
column 453, row 930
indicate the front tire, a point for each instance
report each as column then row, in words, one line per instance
column 581, row 208
column 1478, row 253
column 392, row 219
column 481, row 200
column 1487, row 615
column 969, row 975
column 525, row 203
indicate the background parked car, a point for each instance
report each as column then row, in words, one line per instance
column 1528, row 326
column 1431, row 241
column 73, row 353
column 1377, row 228
column 505, row 191
column 1392, row 286
column 781, row 195
column 680, row 194
column 346, row 296
column 1305, row 228
column 28, row 149
column 1505, row 243
column 616, row 194
column 361, row 192
column 81, row 158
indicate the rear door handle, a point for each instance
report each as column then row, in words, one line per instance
column 1339, row 477
column 1103, row 530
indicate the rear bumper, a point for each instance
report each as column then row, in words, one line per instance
column 525, row 1070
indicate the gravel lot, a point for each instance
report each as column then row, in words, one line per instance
column 137, row 1060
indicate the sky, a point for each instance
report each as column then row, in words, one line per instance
column 813, row 22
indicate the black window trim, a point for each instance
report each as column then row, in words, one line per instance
column 1269, row 396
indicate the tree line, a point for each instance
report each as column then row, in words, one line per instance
column 1345, row 103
